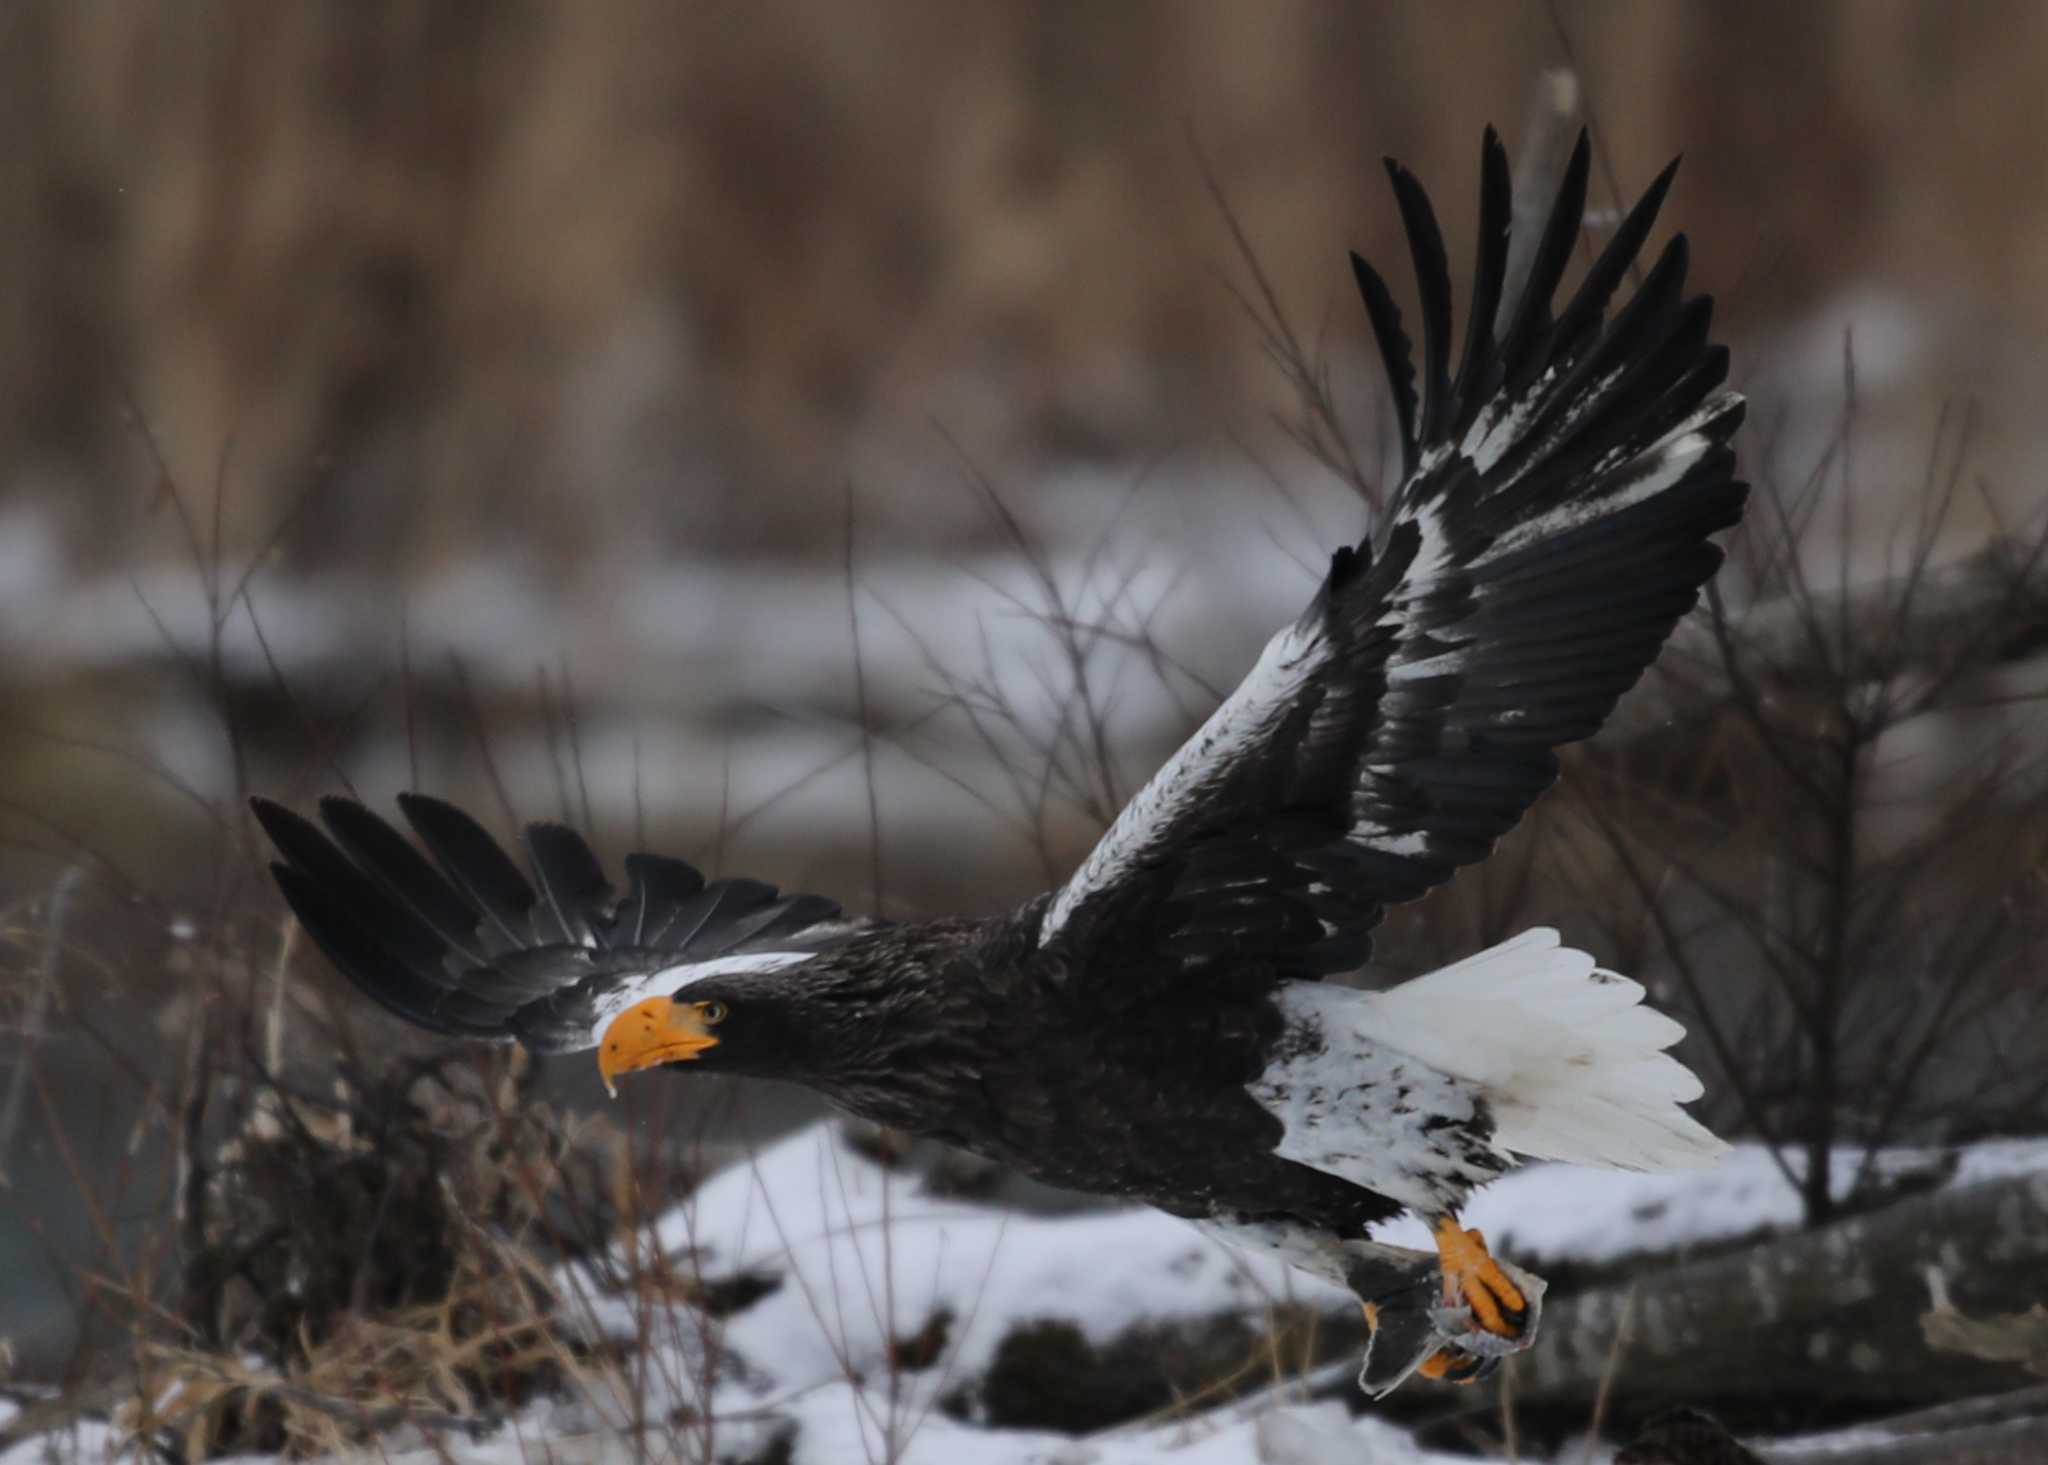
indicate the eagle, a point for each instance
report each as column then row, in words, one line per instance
column 1159, row 1028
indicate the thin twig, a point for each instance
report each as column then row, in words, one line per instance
column 40, row 996
column 1610, row 1373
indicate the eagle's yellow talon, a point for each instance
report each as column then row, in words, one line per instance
column 1474, row 1280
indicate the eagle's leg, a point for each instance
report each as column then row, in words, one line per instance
column 1400, row 1291
column 1473, row 1280
column 1417, row 1324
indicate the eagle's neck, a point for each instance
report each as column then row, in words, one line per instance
column 897, row 1025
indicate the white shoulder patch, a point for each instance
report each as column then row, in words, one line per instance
column 1290, row 657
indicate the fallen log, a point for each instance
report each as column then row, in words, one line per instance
column 1831, row 1316
column 2023, row 1442
column 1837, row 1323
column 2006, row 1429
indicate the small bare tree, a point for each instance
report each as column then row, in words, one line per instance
column 1835, row 831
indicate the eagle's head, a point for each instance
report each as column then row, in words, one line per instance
column 758, row 1023
column 864, row 1021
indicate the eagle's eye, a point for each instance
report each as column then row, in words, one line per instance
column 714, row 1013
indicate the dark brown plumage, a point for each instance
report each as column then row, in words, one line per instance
column 1154, row 1029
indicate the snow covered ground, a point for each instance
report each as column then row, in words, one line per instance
column 865, row 1256
column 1548, row 1213
column 836, row 1425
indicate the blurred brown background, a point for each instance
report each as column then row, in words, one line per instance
column 558, row 275
column 380, row 377
column 450, row 320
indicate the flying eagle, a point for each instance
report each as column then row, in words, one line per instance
column 1158, row 1028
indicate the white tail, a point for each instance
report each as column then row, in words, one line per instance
column 1573, row 1065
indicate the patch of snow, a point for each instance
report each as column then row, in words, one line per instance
column 1892, row 338
column 32, row 558
column 838, row 1425
column 1568, row 1213
column 87, row 1442
column 867, row 1256
column 1996, row 1159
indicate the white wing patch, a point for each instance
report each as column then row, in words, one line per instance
column 1500, row 423
column 1354, row 1107
column 1658, row 467
column 1291, row 657
column 1432, row 553
column 669, row 980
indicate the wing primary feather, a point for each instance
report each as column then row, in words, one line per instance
column 684, row 919
column 1433, row 288
column 572, row 882
column 697, row 926
column 1601, row 383
column 1489, row 279
column 303, row 846
column 520, row 977
column 473, row 862
column 1520, row 358
column 1395, row 354
column 799, row 913
column 402, row 935
column 784, row 917
column 1589, row 303
column 406, row 874
column 659, row 886
column 365, row 961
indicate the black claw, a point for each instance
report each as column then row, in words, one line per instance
column 1515, row 1317
column 1471, row 1369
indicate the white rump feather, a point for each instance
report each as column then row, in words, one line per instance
column 1571, row 1062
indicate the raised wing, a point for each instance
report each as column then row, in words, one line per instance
column 463, row 944
column 1550, row 530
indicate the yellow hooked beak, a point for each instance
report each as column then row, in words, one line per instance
column 657, row 1030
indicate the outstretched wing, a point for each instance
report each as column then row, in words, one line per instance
column 1550, row 530
column 463, row 944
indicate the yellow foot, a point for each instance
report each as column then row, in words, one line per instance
column 1472, row 1279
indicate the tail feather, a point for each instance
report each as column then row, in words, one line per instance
column 1572, row 1062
